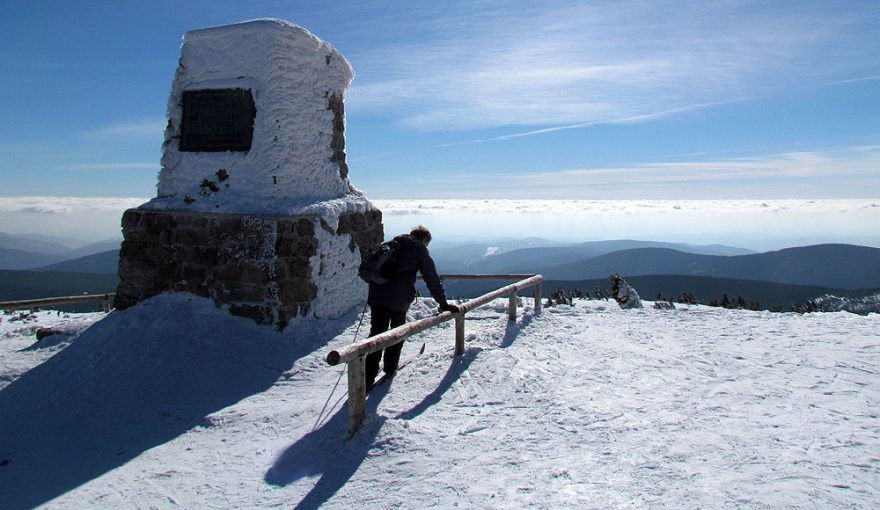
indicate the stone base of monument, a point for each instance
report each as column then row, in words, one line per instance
column 271, row 269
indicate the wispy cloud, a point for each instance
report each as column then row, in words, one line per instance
column 757, row 173
column 626, row 120
column 841, row 172
column 851, row 80
column 111, row 166
column 149, row 129
column 573, row 64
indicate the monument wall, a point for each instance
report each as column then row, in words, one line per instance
column 254, row 208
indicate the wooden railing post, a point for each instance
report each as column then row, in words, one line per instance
column 538, row 305
column 357, row 393
column 511, row 306
column 459, row 334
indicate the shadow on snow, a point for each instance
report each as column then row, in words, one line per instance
column 513, row 329
column 325, row 452
column 135, row 380
column 458, row 366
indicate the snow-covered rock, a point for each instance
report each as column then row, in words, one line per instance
column 829, row 303
column 624, row 294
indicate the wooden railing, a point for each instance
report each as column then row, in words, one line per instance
column 105, row 299
column 354, row 355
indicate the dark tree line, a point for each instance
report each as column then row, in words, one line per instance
column 566, row 297
column 739, row 303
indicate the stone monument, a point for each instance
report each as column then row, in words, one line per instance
column 254, row 207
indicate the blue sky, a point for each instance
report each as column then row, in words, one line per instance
column 481, row 99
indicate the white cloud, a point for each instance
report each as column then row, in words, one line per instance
column 574, row 207
column 577, row 63
column 88, row 219
column 66, row 205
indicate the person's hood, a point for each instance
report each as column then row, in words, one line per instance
column 408, row 240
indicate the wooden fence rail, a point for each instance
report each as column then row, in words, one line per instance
column 354, row 355
column 105, row 299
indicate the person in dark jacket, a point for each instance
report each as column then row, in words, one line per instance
column 390, row 301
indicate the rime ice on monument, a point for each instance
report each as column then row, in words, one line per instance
column 254, row 208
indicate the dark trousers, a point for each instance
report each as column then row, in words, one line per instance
column 381, row 320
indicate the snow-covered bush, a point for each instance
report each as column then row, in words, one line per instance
column 688, row 298
column 735, row 303
column 662, row 303
column 829, row 303
column 602, row 293
column 623, row 293
column 559, row 297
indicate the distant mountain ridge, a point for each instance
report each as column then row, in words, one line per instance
column 818, row 268
column 520, row 260
column 828, row 265
column 33, row 244
column 19, row 285
column 24, row 252
column 20, row 260
column 101, row 263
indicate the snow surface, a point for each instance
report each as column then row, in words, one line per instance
column 176, row 404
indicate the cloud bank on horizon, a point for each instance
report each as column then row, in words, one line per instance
column 753, row 224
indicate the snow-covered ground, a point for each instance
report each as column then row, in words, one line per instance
column 176, row 404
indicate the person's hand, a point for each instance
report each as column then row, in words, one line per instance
column 450, row 308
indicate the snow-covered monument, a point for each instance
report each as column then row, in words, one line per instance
column 254, row 207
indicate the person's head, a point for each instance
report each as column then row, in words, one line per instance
column 422, row 234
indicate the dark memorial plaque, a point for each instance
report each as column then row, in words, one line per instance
column 217, row 120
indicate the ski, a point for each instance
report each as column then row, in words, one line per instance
column 407, row 361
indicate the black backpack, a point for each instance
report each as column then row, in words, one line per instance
column 381, row 264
